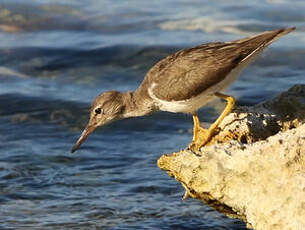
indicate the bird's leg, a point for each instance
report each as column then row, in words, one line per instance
column 230, row 104
column 197, row 126
column 202, row 136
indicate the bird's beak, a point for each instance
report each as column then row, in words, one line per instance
column 89, row 129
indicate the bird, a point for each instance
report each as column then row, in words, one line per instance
column 183, row 83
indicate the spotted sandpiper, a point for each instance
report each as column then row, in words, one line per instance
column 182, row 83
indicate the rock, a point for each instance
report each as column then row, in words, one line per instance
column 251, row 124
column 254, row 168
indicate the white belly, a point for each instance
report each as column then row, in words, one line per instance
column 185, row 106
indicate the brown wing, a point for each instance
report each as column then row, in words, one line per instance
column 189, row 72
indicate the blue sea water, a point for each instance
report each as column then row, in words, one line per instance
column 56, row 56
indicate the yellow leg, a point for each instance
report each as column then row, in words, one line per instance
column 197, row 128
column 202, row 136
column 230, row 104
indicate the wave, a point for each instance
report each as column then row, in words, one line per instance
column 207, row 25
column 10, row 72
column 22, row 108
column 18, row 17
column 119, row 60
column 38, row 61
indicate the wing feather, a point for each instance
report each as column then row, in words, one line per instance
column 189, row 72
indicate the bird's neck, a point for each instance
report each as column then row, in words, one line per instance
column 137, row 104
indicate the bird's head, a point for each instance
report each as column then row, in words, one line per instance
column 107, row 107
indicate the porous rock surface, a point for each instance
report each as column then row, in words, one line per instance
column 254, row 168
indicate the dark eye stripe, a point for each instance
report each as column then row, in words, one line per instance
column 98, row 111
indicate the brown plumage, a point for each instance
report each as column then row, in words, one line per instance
column 196, row 69
column 183, row 82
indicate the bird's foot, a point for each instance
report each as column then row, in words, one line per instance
column 201, row 137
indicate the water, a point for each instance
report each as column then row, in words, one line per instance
column 56, row 56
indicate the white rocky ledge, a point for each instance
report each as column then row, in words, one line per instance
column 254, row 168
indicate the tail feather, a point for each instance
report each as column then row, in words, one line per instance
column 279, row 33
column 266, row 37
column 254, row 45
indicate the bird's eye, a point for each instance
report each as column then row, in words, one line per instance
column 98, row 111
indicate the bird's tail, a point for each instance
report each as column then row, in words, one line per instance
column 267, row 37
column 276, row 34
column 254, row 45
